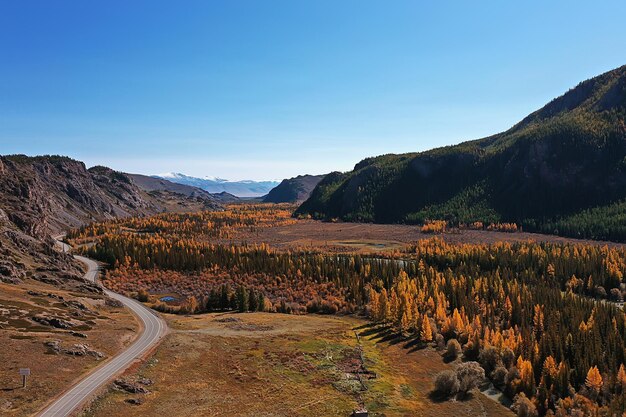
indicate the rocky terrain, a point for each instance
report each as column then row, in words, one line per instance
column 49, row 194
column 46, row 195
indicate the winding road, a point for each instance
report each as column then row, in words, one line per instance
column 154, row 328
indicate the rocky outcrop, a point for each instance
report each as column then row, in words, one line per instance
column 55, row 322
column 78, row 349
column 48, row 194
column 130, row 386
column 10, row 273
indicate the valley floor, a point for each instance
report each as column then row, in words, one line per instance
column 368, row 237
column 261, row 364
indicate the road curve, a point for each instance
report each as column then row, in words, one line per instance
column 154, row 328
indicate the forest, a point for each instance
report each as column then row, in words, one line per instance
column 544, row 320
column 561, row 170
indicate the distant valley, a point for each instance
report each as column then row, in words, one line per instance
column 201, row 250
column 245, row 188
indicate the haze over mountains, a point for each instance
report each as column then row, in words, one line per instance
column 245, row 188
column 560, row 170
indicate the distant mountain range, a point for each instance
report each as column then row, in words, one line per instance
column 156, row 184
column 214, row 185
column 560, row 170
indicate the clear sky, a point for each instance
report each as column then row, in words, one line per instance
column 270, row 89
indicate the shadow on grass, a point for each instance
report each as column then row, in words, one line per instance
column 365, row 326
column 380, row 333
column 414, row 344
column 449, row 358
column 438, row 397
column 372, row 330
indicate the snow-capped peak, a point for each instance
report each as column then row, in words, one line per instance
column 171, row 175
column 212, row 184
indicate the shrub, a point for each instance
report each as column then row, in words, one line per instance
column 616, row 294
column 440, row 341
column 523, row 407
column 498, row 376
column 446, row 384
column 142, row 296
column 453, row 349
column 489, row 358
column 469, row 374
column 471, row 350
column 508, row 357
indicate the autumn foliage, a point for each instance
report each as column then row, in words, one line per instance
column 529, row 313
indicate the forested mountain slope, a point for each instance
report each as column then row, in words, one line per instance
column 545, row 173
column 293, row 189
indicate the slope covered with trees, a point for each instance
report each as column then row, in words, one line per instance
column 293, row 189
column 544, row 173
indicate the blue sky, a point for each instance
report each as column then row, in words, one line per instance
column 271, row 89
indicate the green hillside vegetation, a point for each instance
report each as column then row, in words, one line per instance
column 562, row 168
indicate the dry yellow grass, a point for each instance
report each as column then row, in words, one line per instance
column 259, row 364
column 108, row 330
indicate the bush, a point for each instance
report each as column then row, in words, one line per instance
column 440, row 341
column 489, row 358
column 511, row 376
column 616, row 294
column 508, row 357
column 142, row 296
column 453, row 349
column 498, row 376
column 471, row 350
column 469, row 374
column 523, row 407
column 446, row 384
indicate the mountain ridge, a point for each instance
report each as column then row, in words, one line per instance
column 566, row 157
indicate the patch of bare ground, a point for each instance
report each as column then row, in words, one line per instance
column 260, row 364
column 59, row 335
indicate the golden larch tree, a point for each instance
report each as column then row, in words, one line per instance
column 426, row 332
column 594, row 379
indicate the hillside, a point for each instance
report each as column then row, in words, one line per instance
column 46, row 195
column 293, row 189
column 544, row 173
column 148, row 183
column 163, row 190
